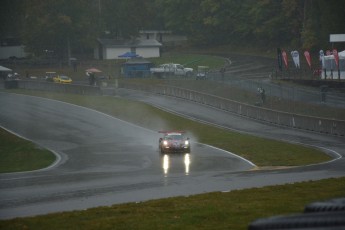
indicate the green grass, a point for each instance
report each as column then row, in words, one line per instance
column 262, row 152
column 18, row 155
column 232, row 210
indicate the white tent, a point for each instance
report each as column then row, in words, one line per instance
column 4, row 69
column 341, row 55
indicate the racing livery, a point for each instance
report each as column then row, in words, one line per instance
column 173, row 141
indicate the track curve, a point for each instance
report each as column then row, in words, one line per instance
column 103, row 160
column 106, row 161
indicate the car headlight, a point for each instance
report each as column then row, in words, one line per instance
column 165, row 142
column 186, row 142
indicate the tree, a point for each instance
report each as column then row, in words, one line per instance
column 11, row 18
column 124, row 19
column 58, row 25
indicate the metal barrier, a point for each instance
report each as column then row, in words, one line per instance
column 57, row 87
column 315, row 124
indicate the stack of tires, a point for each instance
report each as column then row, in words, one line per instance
column 328, row 215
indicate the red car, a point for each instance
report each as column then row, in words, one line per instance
column 174, row 141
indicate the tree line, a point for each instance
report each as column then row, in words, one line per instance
column 62, row 25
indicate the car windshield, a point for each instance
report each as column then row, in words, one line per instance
column 174, row 137
column 64, row 77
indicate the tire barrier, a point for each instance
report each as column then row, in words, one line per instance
column 60, row 88
column 334, row 205
column 315, row 124
column 329, row 215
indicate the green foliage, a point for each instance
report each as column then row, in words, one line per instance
column 58, row 24
column 124, row 19
column 54, row 26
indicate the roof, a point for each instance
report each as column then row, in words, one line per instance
column 4, row 69
column 129, row 43
column 172, row 132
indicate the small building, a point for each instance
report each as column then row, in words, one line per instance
column 137, row 67
column 166, row 37
column 11, row 48
column 113, row 48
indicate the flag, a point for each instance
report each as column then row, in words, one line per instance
column 322, row 58
column 285, row 58
column 307, row 57
column 295, row 58
column 336, row 57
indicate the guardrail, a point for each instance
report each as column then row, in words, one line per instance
column 57, row 87
column 315, row 124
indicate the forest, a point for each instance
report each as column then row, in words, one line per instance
column 61, row 25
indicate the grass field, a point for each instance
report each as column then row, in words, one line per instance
column 231, row 210
column 18, row 155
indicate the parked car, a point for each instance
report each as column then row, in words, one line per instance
column 50, row 76
column 202, row 72
column 62, row 79
column 172, row 69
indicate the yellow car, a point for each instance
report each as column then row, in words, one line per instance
column 62, row 79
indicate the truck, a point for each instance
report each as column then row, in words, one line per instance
column 171, row 69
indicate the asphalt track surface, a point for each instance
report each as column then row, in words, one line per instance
column 103, row 161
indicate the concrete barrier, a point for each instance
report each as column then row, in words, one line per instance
column 57, row 87
column 315, row 124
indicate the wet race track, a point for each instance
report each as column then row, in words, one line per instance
column 104, row 161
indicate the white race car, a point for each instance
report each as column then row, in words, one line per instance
column 174, row 141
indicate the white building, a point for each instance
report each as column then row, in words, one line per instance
column 112, row 48
column 11, row 48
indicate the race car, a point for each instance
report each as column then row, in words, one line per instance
column 173, row 141
column 62, row 79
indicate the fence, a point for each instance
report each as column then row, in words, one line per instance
column 321, row 125
column 316, row 124
column 61, row 88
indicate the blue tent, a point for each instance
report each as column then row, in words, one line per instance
column 137, row 67
column 129, row 55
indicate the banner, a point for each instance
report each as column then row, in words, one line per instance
column 336, row 57
column 279, row 56
column 322, row 59
column 295, row 58
column 285, row 58
column 307, row 57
